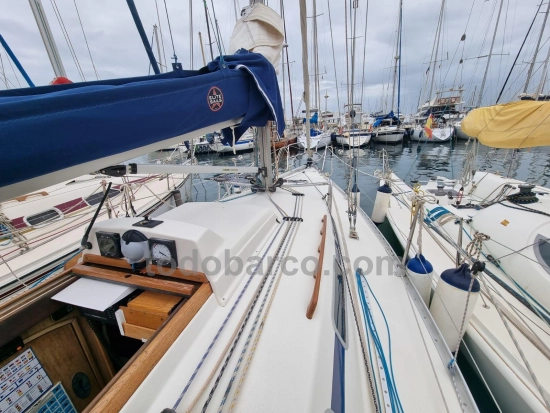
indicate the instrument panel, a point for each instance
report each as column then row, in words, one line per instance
column 161, row 251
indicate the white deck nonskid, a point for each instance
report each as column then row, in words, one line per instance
column 292, row 365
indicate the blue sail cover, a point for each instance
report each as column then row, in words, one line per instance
column 45, row 130
column 313, row 119
column 379, row 119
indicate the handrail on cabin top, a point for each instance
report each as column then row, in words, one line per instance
column 318, row 271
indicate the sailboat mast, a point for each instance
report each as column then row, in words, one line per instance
column 399, row 56
column 47, row 38
column 438, row 37
column 489, row 57
column 155, row 31
column 305, row 71
column 396, row 58
column 208, row 30
column 347, row 53
column 530, row 73
column 354, row 6
column 543, row 77
column 315, row 54
column 191, row 34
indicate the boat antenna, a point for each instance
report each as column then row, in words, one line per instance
column 85, row 244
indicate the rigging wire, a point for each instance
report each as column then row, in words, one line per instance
column 161, row 36
column 86, row 40
column 365, row 53
column 5, row 80
column 220, row 38
column 519, row 52
column 14, row 73
column 67, row 39
column 171, row 37
column 333, row 56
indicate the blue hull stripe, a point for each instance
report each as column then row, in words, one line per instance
column 338, row 402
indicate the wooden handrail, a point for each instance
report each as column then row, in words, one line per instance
column 125, row 277
column 318, row 271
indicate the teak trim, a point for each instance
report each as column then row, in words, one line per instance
column 120, row 276
column 318, row 271
column 25, row 197
column 188, row 275
column 119, row 390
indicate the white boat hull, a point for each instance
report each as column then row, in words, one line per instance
column 240, row 146
column 317, row 142
column 438, row 134
column 55, row 238
column 486, row 338
column 354, row 140
column 460, row 134
column 389, row 136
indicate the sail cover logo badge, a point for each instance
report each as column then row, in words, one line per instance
column 215, row 99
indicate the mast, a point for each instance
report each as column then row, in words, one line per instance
column 352, row 106
column 263, row 142
column 517, row 55
column 530, row 72
column 202, row 49
column 315, row 56
column 396, row 59
column 303, row 29
column 489, row 57
column 543, row 76
column 283, row 76
column 438, row 37
column 191, row 34
column 208, row 30
column 282, row 60
column 399, row 56
column 155, row 31
column 47, row 38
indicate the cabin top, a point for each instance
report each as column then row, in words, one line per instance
column 175, row 242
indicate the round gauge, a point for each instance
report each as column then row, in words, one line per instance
column 161, row 252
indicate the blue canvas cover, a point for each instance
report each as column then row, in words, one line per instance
column 313, row 119
column 50, row 128
column 379, row 119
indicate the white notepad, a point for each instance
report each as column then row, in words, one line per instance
column 93, row 294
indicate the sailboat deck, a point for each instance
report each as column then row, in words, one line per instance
column 287, row 359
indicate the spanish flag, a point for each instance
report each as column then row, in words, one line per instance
column 428, row 127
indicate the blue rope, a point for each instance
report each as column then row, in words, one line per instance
column 58, row 267
column 395, row 400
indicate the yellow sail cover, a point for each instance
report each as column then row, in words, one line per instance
column 521, row 124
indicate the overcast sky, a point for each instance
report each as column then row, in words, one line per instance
column 117, row 50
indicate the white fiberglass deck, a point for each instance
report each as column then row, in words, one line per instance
column 289, row 362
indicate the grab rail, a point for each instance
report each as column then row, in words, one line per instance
column 318, row 271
